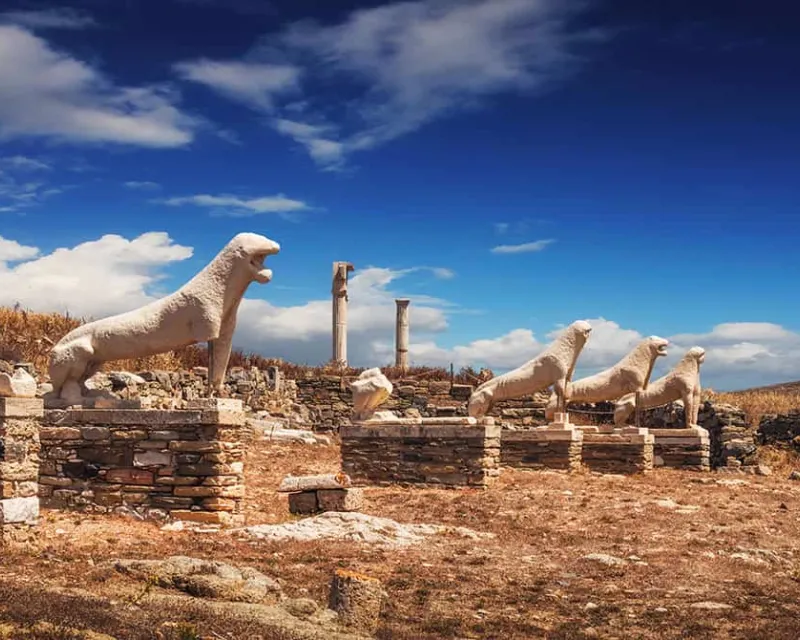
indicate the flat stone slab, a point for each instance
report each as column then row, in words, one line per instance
column 420, row 430
column 18, row 510
column 21, row 408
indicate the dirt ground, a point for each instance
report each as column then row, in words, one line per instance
column 693, row 555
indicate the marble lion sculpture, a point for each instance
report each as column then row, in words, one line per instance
column 203, row 309
column 630, row 374
column 681, row 383
column 554, row 366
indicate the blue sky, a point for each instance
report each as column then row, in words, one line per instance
column 510, row 165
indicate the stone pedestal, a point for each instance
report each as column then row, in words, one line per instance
column 627, row 450
column 682, row 448
column 555, row 446
column 431, row 452
column 187, row 464
column 19, row 468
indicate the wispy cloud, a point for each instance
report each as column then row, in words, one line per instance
column 23, row 163
column 236, row 206
column 50, row 94
column 142, row 185
column 52, row 18
column 500, row 228
column 403, row 65
column 255, row 84
column 526, row 247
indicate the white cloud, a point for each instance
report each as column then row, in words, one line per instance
column 236, row 206
column 404, row 65
column 47, row 93
column 142, row 185
column 18, row 193
column 252, row 83
column 527, row 247
column 52, row 18
column 328, row 153
column 500, row 228
column 96, row 278
column 23, row 163
column 13, row 251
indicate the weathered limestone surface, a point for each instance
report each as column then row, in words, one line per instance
column 554, row 366
column 432, row 452
column 629, row 375
column 187, row 464
column 204, row 309
column 369, row 390
column 681, row 383
column 318, row 500
column 618, row 452
column 541, row 449
column 19, row 468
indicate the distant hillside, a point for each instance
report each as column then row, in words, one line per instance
column 782, row 387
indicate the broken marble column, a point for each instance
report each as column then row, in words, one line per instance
column 358, row 600
column 339, row 292
column 401, row 335
column 19, row 468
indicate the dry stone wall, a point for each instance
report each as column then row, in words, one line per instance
column 780, row 429
column 187, row 464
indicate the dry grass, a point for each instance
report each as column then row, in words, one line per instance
column 759, row 402
column 740, row 547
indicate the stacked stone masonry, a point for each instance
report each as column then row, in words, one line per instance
column 780, row 429
column 542, row 449
column 19, row 468
column 618, row 452
column 187, row 464
column 434, row 452
column 681, row 449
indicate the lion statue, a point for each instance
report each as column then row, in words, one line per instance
column 204, row 309
column 554, row 366
column 681, row 383
column 630, row 374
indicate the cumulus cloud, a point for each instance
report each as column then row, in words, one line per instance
column 236, row 206
column 252, row 83
column 527, row 247
column 96, row 278
column 52, row 18
column 48, row 93
column 406, row 64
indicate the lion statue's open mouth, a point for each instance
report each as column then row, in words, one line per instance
column 260, row 273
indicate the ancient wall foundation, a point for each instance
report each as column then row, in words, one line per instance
column 187, row 464
column 618, row 452
column 542, row 449
column 430, row 452
column 19, row 468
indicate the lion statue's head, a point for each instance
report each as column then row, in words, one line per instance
column 696, row 353
column 657, row 345
column 253, row 249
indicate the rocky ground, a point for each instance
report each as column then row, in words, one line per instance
column 538, row 555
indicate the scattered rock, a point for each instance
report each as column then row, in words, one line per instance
column 711, row 606
column 794, row 475
column 204, row 578
column 591, row 606
column 357, row 527
column 605, row 559
column 19, row 385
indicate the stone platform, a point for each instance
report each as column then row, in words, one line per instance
column 186, row 463
column 432, row 452
column 682, row 448
column 627, row 450
column 542, row 448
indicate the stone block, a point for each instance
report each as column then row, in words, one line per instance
column 16, row 510
column 152, row 458
column 340, row 499
column 59, row 433
column 130, row 476
column 303, row 502
column 95, row 433
column 21, row 408
column 205, row 517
